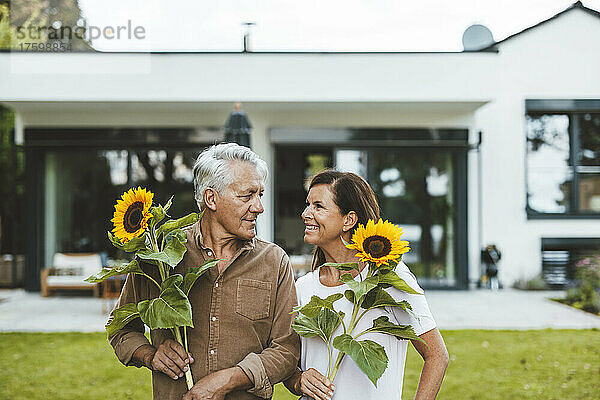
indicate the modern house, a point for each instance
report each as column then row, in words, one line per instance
column 94, row 124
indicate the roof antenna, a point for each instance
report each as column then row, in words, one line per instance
column 248, row 26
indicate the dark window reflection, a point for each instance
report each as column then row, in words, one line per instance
column 589, row 139
column 294, row 168
column 81, row 189
column 83, row 186
column 168, row 172
column 589, row 159
column 589, row 192
column 415, row 191
column 563, row 163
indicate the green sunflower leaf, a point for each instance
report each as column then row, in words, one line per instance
column 314, row 306
column 383, row 325
column 135, row 244
column 368, row 355
column 171, row 309
column 173, row 280
column 349, row 295
column 322, row 325
column 360, row 288
column 378, row 298
column 173, row 252
column 121, row 317
column 168, row 205
column 194, row 273
column 392, row 279
column 133, row 267
column 157, row 214
column 182, row 222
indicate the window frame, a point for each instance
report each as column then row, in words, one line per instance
column 574, row 109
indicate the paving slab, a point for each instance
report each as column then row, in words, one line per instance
column 506, row 309
column 23, row 311
column 30, row 312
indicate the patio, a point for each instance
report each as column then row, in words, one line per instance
column 474, row 309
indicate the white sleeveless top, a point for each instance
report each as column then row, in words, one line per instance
column 350, row 382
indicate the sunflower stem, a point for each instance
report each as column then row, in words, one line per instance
column 161, row 268
column 362, row 333
column 152, row 279
column 188, row 374
column 331, row 375
column 352, row 323
column 329, row 356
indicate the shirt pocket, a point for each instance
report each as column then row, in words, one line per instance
column 253, row 298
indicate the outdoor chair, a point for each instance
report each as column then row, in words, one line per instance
column 68, row 272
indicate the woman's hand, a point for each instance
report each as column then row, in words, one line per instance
column 315, row 385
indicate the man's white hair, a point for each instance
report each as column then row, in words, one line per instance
column 213, row 168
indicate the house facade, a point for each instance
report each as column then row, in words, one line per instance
column 464, row 149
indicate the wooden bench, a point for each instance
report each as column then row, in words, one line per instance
column 68, row 272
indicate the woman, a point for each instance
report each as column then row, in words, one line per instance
column 337, row 202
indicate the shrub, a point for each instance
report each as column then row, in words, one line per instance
column 537, row 283
column 585, row 294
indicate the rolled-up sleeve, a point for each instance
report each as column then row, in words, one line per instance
column 278, row 361
column 127, row 340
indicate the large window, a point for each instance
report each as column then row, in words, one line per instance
column 75, row 175
column 563, row 164
column 81, row 188
column 415, row 190
column 418, row 175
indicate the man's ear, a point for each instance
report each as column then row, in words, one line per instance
column 350, row 220
column 210, row 198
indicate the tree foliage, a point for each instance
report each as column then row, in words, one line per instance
column 36, row 21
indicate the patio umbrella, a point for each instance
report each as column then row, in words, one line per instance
column 237, row 127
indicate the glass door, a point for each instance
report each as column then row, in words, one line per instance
column 415, row 190
column 422, row 190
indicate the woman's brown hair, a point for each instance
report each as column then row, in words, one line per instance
column 350, row 193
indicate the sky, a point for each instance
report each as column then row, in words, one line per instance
column 312, row 25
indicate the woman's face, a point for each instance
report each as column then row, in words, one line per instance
column 322, row 218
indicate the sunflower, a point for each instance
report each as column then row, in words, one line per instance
column 378, row 242
column 131, row 214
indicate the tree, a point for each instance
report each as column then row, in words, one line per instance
column 42, row 22
column 11, row 189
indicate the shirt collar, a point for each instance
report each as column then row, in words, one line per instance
column 197, row 233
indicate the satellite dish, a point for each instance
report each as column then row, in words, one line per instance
column 477, row 37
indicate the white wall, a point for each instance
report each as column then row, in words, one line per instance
column 245, row 77
column 558, row 60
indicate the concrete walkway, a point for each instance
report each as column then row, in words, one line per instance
column 506, row 309
column 474, row 309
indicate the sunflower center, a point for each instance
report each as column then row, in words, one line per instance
column 133, row 217
column 377, row 246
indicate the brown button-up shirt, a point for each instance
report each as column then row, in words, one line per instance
column 241, row 317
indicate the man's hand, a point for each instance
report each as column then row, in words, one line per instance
column 216, row 385
column 171, row 359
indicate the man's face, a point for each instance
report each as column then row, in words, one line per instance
column 238, row 206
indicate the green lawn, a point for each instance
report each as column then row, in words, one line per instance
column 548, row 364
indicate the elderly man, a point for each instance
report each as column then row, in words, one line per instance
column 242, row 342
